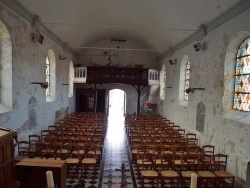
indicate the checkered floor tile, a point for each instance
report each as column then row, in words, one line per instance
column 115, row 169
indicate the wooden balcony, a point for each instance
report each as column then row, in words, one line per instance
column 102, row 75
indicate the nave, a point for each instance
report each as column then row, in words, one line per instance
column 140, row 151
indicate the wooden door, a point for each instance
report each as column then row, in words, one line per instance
column 88, row 101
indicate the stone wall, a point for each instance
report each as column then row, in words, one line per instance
column 31, row 112
column 229, row 135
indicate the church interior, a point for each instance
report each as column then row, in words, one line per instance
column 108, row 93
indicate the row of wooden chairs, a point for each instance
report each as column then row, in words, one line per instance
column 169, row 159
column 209, row 174
column 76, row 145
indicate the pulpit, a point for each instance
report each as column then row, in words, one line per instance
column 7, row 163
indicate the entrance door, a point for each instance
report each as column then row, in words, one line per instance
column 117, row 103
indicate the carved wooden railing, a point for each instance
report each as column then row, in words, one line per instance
column 116, row 75
column 102, row 75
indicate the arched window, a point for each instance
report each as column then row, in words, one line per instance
column 242, row 77
column 184, row 80
column 48, row 76
column 51, row 76
column 163, row 82
column 71, row 79
column 5, row 70
column 231, row 86
column 187, row 77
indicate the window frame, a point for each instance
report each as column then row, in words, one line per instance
column 52, row 71
column 229, row 70
column 6, row 90
column 182, row 83
column 71, row 79
column 48, row 76
column 239, row 75
column 187, row 80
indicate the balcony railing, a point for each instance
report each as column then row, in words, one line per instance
column 80, row 75
column 153, row 77
column 101, row 75
column 117, row 75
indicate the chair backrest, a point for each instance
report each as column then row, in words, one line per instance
column 65, row 139
column 48, row 156
column 41, row 147
column 147, row 161
column 44, row 135
column 220, row 162
column 177, row 149
column 55, row 147
column 189, row 161
column 206, row 162
column 73, row 150
column 190, row 135
column 23, row 148
column 192, row 141
column 165, row 157
column 181, row 132
column 51, row 138
column 180, row 141
column 208, row 149
column 192, row 149
column 33, row 139
column 52, row 127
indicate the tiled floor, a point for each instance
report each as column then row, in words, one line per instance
column 115, row 162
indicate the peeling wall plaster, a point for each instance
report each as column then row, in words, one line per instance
column 28, row 62
column 229, row 136
column 200, row 117
column 60, row 114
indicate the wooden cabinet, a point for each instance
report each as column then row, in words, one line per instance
column 7, row 166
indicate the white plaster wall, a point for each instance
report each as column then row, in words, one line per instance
column 119, row 57
column 29, row 66
column 207, row 68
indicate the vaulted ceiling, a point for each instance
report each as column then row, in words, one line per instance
column 159, row 24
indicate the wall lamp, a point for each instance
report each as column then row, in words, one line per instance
column 44, row 85
column 173, row 62
column 190, row 89
column 200, row 46
column 62, row 57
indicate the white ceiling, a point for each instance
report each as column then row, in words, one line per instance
column 157, row 24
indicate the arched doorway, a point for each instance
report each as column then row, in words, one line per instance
column 117, row 103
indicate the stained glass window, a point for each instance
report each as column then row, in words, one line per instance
column 48, row 76
column 242, row 77
column 187, row 77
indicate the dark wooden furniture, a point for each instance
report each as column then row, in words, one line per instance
column 31, row 172
column 123, row 75
column 7, row 163
column 90, row 100
column 136, row 77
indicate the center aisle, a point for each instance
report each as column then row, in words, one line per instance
column 115, row 154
